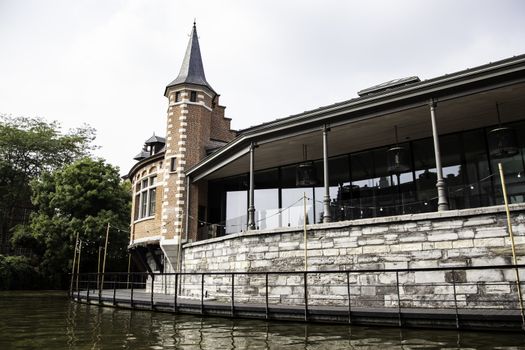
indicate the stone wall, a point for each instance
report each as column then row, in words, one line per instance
column 460, row 238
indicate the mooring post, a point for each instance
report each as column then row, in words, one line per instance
column 114, row 292
column 455, row 298
column 266, row 282
column 131, row 296
column 398, row 300
column 73, row 267
column 233, row 294
column 202, row 294
column 349, row 299
column 152, row 288
column 175, row 290
column 306, row 296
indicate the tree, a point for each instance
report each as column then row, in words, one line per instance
column 82, row 197
column 28, row 148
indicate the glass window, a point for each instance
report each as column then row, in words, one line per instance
column 145, row 197
column 364, row 186
column 425, row 175
column 479, row 191
column 177, row 96
column 513, row 168
column 266, row 199
column 193, row 96
column 236, row 211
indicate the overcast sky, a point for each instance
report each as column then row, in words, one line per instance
column 106, row 63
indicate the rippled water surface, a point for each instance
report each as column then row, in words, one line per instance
column 48, row 320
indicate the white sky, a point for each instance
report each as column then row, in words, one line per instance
column 106, row 63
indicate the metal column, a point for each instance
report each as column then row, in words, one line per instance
column 251, row 197
column 327, row 216
column 440, row 184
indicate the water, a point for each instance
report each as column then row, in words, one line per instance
column 48, row 320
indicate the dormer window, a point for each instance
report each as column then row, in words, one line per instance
column 177, row 96
column 193, row 96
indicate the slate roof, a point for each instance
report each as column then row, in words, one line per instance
column 155, row 139
column 192, row 70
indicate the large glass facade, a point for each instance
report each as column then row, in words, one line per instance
column 361, row 185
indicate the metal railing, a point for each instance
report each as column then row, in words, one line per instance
column 453, row 289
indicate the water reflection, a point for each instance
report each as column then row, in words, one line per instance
column 50, row 321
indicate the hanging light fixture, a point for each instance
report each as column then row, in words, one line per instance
column 305, row 175
column 398, row 159
column 502, row 140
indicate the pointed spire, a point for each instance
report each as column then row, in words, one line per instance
column 192, row 70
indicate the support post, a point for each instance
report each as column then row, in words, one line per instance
column 251, row 195
column 440, row 184
column 105, row 255
column 78, row 260
column 327, row 215
column 513, row 247
column 73, row 267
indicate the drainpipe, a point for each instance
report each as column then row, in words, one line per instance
column 440, row 184
column 327, row 216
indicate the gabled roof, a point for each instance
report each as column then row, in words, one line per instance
column 192, row 70
column 155, row 139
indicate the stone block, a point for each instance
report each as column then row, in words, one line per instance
column 466, row 289
column 489, row 242
column 497, row 288
column 396, row 265
column 447, row 224
column 288, row 245
column 330, row 252
column 487, row 232
column 464, row 234
column 371, row 230
column 480, row 221
column 489, row 261
column 429, row 277
column 463, row 243
column 416, row 237
column 443, row 245
column 484, row 276
column 375, row 249
column 439, row 236
column 405, row 247
column 344, row 242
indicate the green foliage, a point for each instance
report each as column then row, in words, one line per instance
column 82, row 197
column 30, row 147
column 16, row 272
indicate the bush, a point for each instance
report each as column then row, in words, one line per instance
column 16, row 272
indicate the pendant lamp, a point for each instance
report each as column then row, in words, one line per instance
column 305, row 173
column 398, row 160
column 502, row 140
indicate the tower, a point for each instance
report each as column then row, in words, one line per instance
column 195, row 125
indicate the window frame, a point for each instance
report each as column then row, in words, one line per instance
column 145, row 198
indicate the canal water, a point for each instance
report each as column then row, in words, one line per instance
column 49, row 320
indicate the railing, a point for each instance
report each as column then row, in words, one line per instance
column 452, row 289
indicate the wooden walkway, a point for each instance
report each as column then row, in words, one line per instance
column 478, row 319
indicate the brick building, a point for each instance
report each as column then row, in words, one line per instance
column 403, row 151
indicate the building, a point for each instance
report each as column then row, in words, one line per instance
column 412, row 169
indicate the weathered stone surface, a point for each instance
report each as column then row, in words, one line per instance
column 476, row 237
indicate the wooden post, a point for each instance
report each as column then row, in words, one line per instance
column 129, row 269
column 105, row 255
column 98, row 266
column 512, row 245
column 78, row 260
column 73, row 267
